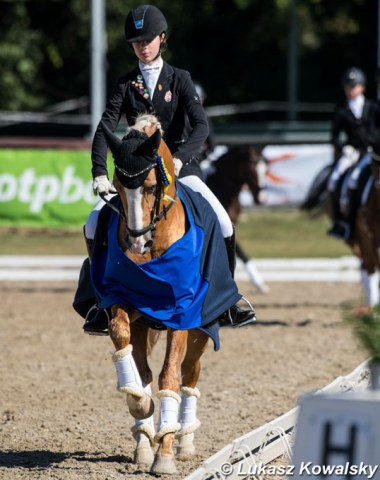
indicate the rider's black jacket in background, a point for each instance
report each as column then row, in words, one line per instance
column 359, row 132
column 174, row 99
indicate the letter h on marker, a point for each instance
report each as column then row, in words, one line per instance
column 329, row 448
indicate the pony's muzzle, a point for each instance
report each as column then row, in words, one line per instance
column 139, row 244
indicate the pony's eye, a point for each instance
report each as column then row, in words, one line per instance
column 150, row 190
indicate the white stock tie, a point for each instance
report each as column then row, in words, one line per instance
column 151, row 74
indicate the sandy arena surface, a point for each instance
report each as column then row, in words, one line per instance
column 62, row 418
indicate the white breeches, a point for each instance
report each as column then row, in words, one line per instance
column 92, row 219
column 351, row 182
column 193, row 182
column 354, row 177
column 197, row 185
column 350, row 157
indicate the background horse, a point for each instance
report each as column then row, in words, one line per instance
column 366, row 236
column 239, row 166
column 151, row 220
column 368, row 233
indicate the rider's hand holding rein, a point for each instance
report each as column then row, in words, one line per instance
column 177, row 165
column 101, row 184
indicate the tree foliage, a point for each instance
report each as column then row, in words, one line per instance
column 237, row 49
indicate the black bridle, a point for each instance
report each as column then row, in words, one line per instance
column 155, row 214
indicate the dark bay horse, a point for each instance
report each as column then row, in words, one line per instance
column 239, row 166
column 368, row 231
column 366, row 237
column 149, row 225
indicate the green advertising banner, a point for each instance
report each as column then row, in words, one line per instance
column 43, row 187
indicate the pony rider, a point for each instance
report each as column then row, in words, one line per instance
column 154, row 86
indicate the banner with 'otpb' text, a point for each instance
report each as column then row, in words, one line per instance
column 45, row 187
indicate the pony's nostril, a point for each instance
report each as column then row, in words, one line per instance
column 148, row 244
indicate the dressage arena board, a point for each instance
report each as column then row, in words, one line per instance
column 50, row 268
column 272, row 440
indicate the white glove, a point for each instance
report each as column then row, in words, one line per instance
column 177, row 165
column 101, row 184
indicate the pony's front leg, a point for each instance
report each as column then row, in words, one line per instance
column 190, row 370
column 169, row 385
column 143, row 430
column 140, row 403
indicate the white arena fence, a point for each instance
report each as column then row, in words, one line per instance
column 271, row 441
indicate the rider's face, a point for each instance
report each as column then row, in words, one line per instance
column 352, row 91
column 147, row 51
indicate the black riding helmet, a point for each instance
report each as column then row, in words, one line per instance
column 144, row 23
column 353, row 76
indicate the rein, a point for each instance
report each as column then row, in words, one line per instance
column 156, row 216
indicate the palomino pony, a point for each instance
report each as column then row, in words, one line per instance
column 239, row 166
column 150, row 225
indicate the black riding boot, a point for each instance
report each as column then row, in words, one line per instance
column 96, row 322
column 235, row 316
column 352, row 210
column 340, row 227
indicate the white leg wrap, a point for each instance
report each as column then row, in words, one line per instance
column 188, row 415
column 168, row 419
column 128, row 377
column 147, row 425
column 371, row 287
column 255, row 276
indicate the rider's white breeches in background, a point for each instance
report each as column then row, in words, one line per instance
column 193, row 182
column 354, row 176
column 350, row 157
column 352, row 180
column 197, row 185
column 92, row 219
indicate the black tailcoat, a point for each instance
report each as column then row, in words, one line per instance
column 358, row 131
column 174, row 98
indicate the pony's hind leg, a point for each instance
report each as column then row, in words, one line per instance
column 169, row 385
column 190, row 369
column 140, row 403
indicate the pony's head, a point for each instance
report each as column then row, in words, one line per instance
column 141, row 179
column 256, row 170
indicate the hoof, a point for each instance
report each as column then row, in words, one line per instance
column 263, row 288
column 186, row 449
column 144, row 456
column 140, row 408
column 164, row 465
column 186, row 453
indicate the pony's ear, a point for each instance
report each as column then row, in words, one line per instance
column 151, row 144
column 113, row 141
